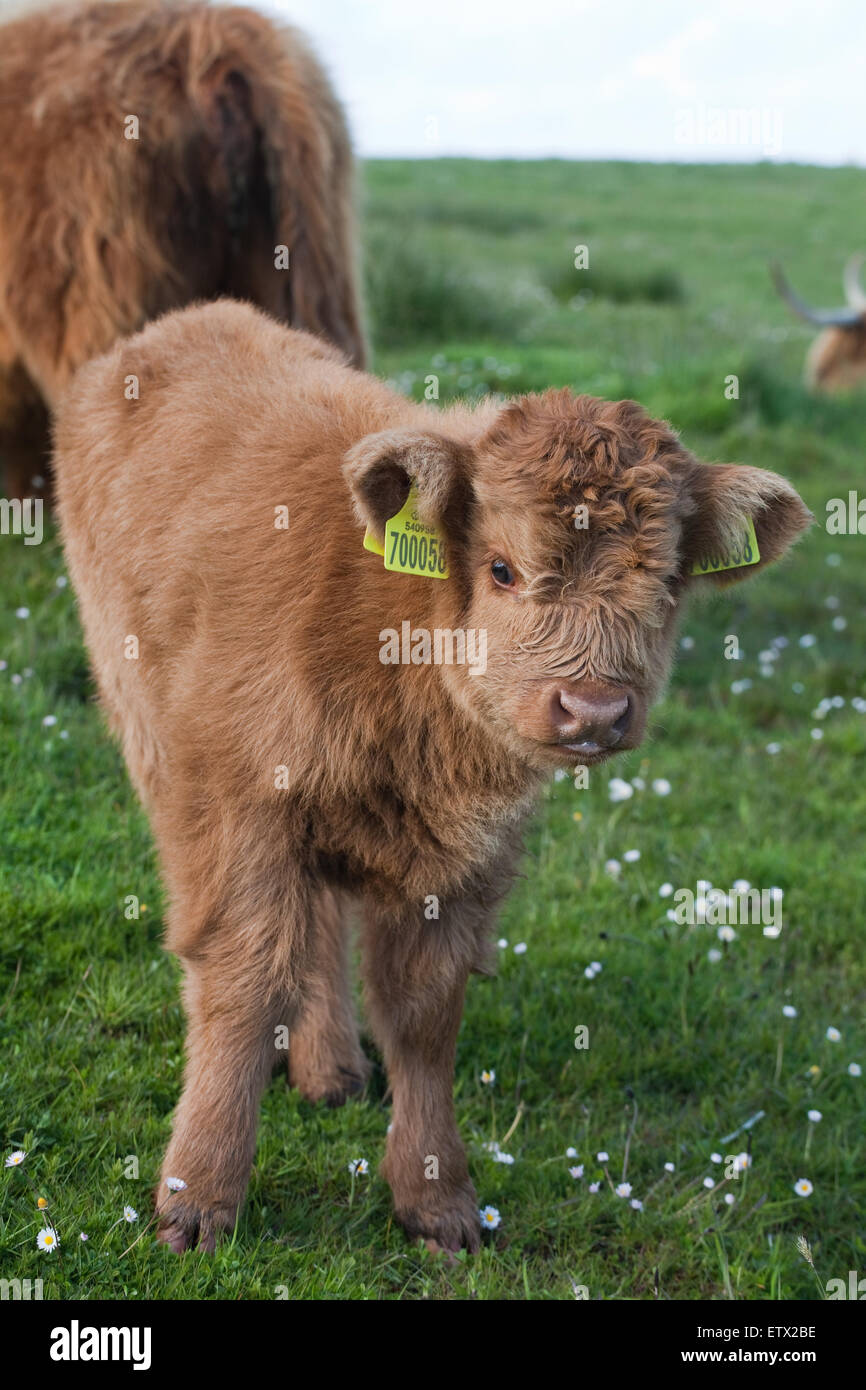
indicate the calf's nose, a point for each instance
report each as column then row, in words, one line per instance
column 586, row 714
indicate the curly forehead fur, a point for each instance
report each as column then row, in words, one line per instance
column 576, row 483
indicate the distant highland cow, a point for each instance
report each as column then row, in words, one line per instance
column 152, row 154
column 837, row 358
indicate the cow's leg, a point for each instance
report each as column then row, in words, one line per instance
column 25, row 445
column 242, row 990
column 325, row 1057
column 415, row 974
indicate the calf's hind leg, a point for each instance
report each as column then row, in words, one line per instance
column 325, row 1057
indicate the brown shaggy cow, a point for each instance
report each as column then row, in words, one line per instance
column 152, row 153
column 289, row 763
column 836, row 360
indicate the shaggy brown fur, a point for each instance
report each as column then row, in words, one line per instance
column 242, row 148
column 259, row 650
column 836, row 360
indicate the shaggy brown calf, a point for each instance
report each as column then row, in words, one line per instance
column 291, row 761
column 152, row 154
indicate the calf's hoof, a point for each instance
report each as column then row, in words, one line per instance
column 451, row 1224
column 186, row 1225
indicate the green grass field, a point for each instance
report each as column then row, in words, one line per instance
column 471, row 280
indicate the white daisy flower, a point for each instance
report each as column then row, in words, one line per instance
column 623, row 1189
column 687, row 643
column 594, row 1186
column 619, row 790
column 22, row 612
column 816, row 734
column 358, row 1167
column 613, row 867
column 16, row 1159
column 520, row 948
column 571, row 1152
column 603, row 1157
column 833, row 1035
column 175, row 1184
column 636, row 1203
column 500, row 1157
column 714, row 956
column 130, row 1214
column 814, row 1116
column 730, row 1198
column 803, row 1187
column 631, row 856
column 49, row 721
column 670, row 1167
column 61, row 581
column 502, row 943
column 488, row 1077
column 742, row 1162
column 661, row 786
column 854, row 1069
column 774, row 748
column 789, row 1011
column 665, row 890
column 715, row 1158
column 726, row 934
column 808, row 639
column 47, row 1239
column 839, row 624
column 709, row 1182
column 576, row 1172
column 490, row 1217
column 638, row 783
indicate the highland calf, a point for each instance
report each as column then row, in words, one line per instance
column 215, row 533
column 152, row 153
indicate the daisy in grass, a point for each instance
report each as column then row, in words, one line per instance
column 490, row 1218
column 16, row 1159
column 803, row 1187
column 47, row 1239
column 358, row 1167
column 833, row 1035
column 623, row 1189
column 488, row 1078
column 175, row 1184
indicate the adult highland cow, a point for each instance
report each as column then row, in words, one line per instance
column 152, row 154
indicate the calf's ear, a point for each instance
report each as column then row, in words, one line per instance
column 726, row 497
column 381, row 468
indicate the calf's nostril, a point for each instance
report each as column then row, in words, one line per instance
column 621, row 723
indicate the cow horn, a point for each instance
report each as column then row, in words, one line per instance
column 854, row 291
column 824, row 318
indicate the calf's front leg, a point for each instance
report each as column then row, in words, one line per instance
column 241, row 994
column 415, row 974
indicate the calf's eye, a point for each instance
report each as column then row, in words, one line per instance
column 502, row 574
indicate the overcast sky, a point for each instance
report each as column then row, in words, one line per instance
column 628, row 79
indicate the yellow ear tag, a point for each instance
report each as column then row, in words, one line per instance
column 370, row 543
column 746, row 553
column 411, row 546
